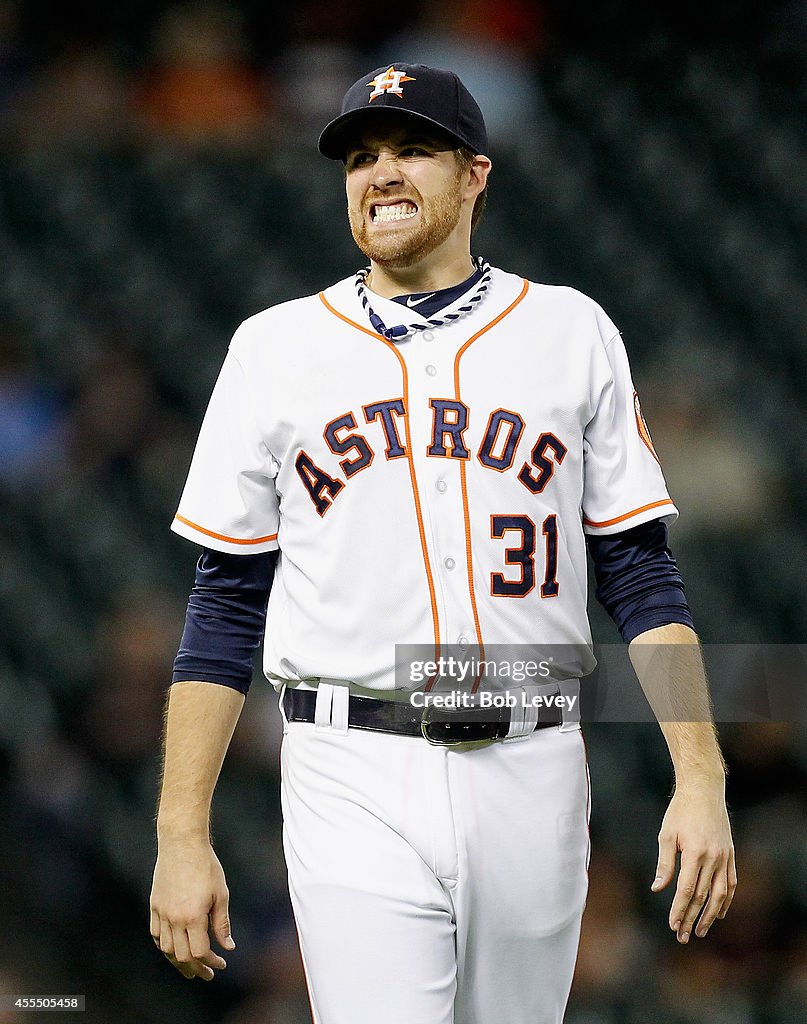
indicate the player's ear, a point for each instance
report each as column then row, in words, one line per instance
column 478, row 172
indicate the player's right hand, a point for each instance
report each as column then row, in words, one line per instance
column 189, row 902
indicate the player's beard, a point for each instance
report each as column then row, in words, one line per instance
column 438, row 219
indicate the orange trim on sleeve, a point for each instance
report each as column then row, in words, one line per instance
column 627, row 515
column 223, row 536
column 409, row 459
column 463, row 475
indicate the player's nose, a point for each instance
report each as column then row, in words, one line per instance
column 386, row 170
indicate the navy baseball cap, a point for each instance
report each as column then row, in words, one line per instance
column 425, row 94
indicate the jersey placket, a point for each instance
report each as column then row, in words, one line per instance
column 430, row 358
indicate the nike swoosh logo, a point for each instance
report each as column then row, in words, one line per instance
column 417, row 302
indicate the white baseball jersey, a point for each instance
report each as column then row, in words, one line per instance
column 434, row 490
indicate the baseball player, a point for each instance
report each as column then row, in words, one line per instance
column 410, row 467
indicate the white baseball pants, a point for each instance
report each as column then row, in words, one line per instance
column 431, row 885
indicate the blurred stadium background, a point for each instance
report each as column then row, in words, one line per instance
column 158, row 183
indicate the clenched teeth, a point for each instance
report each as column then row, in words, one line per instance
column 394, row 211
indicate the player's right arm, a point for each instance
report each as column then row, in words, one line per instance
column 189, row 896
column 229, row 506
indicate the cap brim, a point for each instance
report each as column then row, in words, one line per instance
column 337, row 136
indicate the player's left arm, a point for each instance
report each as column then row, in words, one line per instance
column 640, row 586
column 668, row 663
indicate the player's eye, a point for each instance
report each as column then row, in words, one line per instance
column 414, row 151
column 359, row 159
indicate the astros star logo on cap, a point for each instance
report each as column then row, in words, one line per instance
column 390, row 81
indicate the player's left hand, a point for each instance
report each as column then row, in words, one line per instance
column 696, row 825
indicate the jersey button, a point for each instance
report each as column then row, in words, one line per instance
column 449, row 563
column 442, row 486
column 462, row 640
column 428, row 335
column 431, row 370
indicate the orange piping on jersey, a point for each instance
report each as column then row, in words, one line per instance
column 409, row 459
column 223, row 536
column 627, row 515
column 364, row 330
column 469, row 558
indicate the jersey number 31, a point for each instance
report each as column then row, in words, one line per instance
column 523, row 556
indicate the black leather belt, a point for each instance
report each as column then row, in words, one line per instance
column 439, row 725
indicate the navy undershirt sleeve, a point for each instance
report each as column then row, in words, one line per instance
column 225, row 618
column 638, row 580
